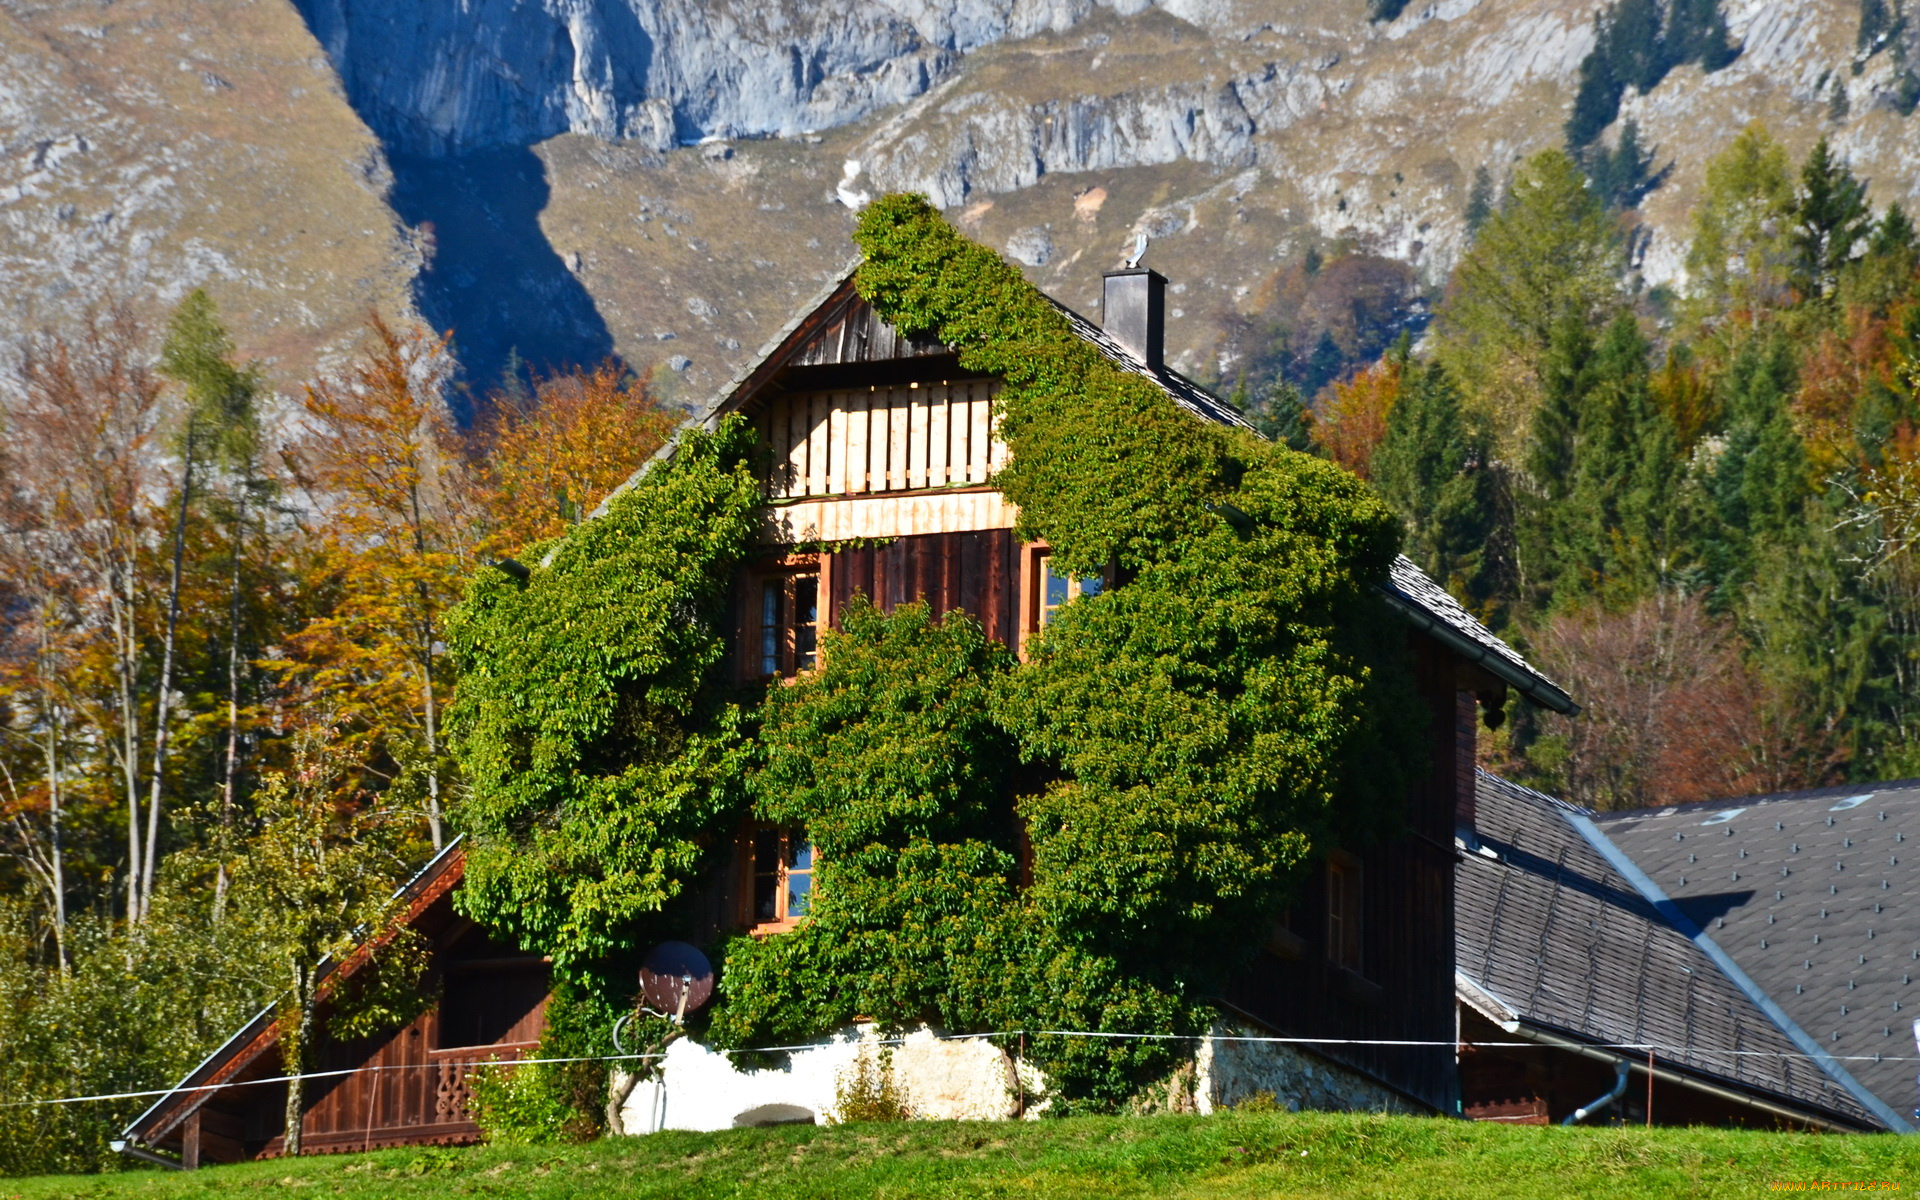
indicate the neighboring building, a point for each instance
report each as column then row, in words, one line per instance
column 878, row 437
column 406, row 1088
column 1565, row 957
column 1813, row 896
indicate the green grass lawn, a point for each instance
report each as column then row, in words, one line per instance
column 1312, row 1155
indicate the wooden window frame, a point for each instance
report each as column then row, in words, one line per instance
column 1035, row 558
column 786, row 572
column 1346, row 908
column 749, row 874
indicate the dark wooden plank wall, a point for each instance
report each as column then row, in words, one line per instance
column 403, row 1090
column 978, row 572
column 1406, row 931
column 857, row 334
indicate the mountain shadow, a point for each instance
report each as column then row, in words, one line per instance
column 492, row 278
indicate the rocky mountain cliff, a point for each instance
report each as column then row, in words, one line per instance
column 664, row 179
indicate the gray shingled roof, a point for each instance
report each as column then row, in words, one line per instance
column 1548, row 926
column 1816, row 896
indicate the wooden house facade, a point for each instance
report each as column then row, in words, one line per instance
column 405, row 1088
column 882, row 449
column 884, row 443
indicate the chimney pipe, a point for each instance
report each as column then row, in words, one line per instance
column 1133, row 311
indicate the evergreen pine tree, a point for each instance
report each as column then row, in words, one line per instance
column 1617, row 526
column 1564, row 378
column 1432, row 467
column 1697, row 33
column 1480, row 200
column 1281, row 414
column 1323, row 366
column 1596, row 98
column 1759, row 481
column 1623, row 176
column 1831, row 218
column 1635, row 48
column 1876, row 25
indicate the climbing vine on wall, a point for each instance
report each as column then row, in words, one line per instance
column 1176, row 749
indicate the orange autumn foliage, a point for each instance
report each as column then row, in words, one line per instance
column 545, row 466
column 394, row 538
column 1353, row 420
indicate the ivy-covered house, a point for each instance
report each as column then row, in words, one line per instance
column 1189, row 643
column 992, row 704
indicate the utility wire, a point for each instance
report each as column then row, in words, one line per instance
column 1674, row 1054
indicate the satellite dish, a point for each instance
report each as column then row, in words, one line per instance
column 676, row 979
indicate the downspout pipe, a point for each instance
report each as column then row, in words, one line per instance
column 1593, row 1106
column 1542, row 1037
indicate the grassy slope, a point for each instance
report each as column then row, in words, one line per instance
column 1309, row 1155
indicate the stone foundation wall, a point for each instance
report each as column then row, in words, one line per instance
column 972, row 1079
column 1229, row 1072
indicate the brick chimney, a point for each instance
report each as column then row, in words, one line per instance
column 1133, row 311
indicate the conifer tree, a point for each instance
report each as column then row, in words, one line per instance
column 1831, row 219
column 1624, row 175
column 1634, row 42
column 1596, row 98
column 1480, row 200
column 1621, row 505
column 1432, row 466
column 1739, row 258
column 1697, row 33
column 1550, row 252
column 1759, row 480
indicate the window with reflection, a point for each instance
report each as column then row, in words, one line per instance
column 1058, row 590
column 782, row 877
column 785, row 634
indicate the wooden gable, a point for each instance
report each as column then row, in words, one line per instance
column 404, row 1088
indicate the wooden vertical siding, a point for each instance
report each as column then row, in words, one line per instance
column 978, row 572
column 403, row 1088
column 1404, row 988
column 880, row 439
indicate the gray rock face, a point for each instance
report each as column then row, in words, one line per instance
column 438, row 77
column 989, row 142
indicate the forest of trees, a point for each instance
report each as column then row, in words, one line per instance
column 222, row 679
column 221, row 686
column 1697, row 511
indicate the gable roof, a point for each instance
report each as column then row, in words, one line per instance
column 1815, row 895
column 1552, row 929
column 838, row 327
column 243, row 1053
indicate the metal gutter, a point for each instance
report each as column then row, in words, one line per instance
column 1532, row 687
column 1539, row 1036
column 1678, row 919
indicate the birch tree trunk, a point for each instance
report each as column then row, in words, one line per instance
column 231, row 767
column 164, row 700
column 56, row 854
column 296, row 1039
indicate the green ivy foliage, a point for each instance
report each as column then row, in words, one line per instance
column 599, row 743
column 888, row 756
column 1176, row 749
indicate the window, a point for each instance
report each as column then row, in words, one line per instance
column 781, row 887
column 785, row 635
column 492, row 1002
column 1057, row 589
column 1343, row 911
